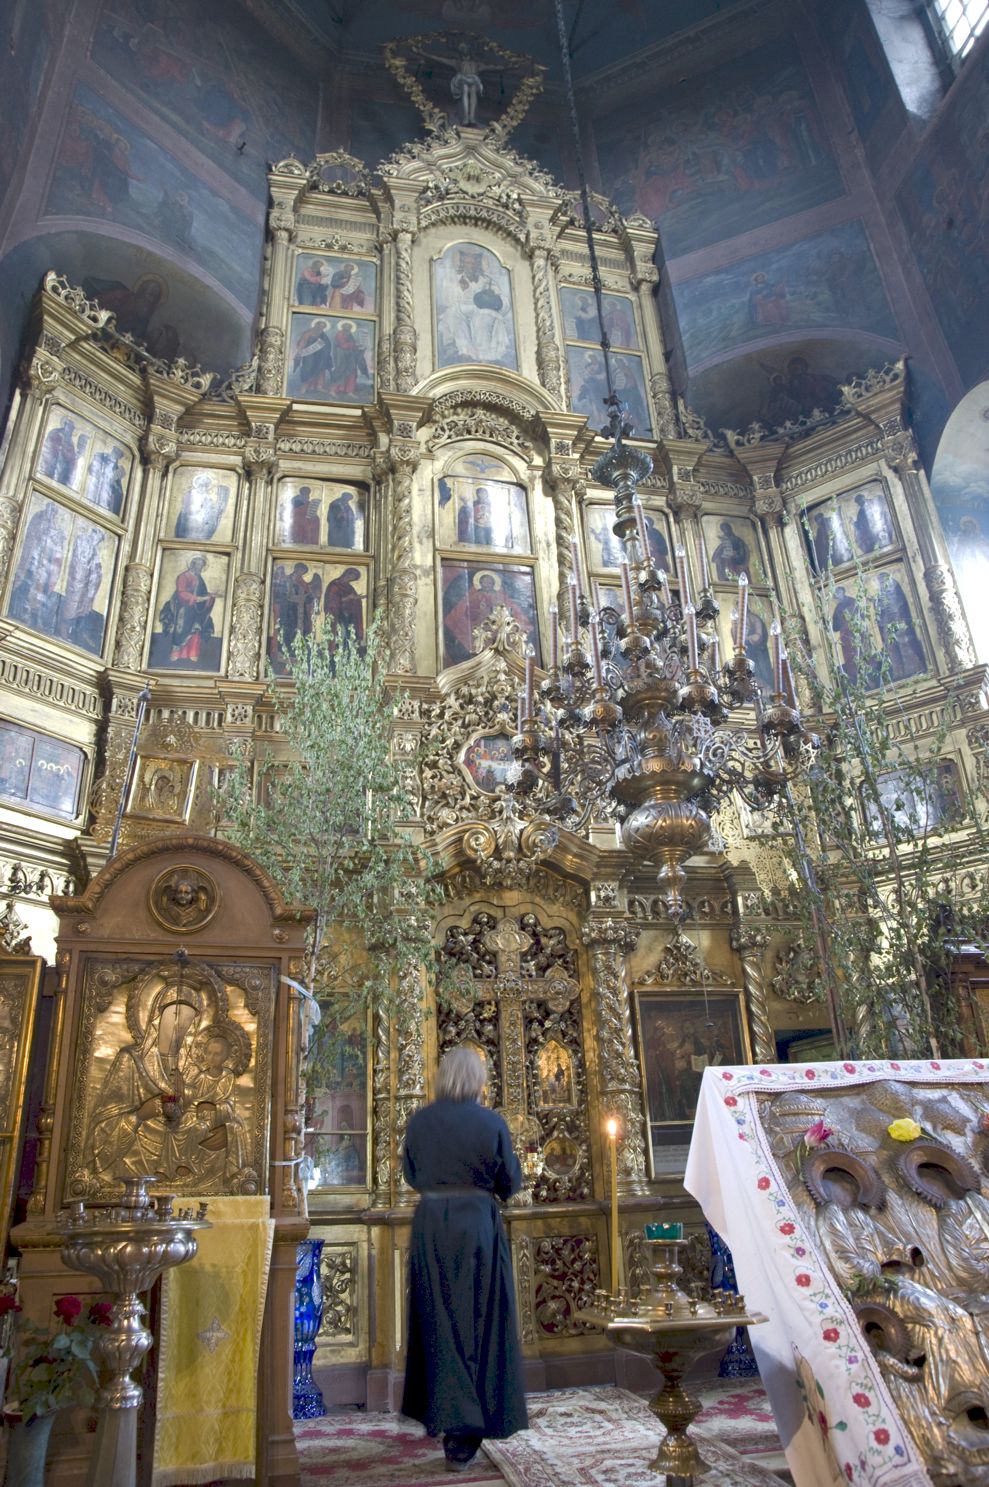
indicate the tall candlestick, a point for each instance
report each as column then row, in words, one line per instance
column 627, row 591
column 776, row 647
column 554, row 638
column 690, row 615
column 521, row 708
column 613, row 1140
column 596, row 651
column 596, row 595
column 574, row 617
column 664, row 588
column 530, row 681
column 642, row 529
column 702, row 564
column 681, row 562
column 575, row 562
column 789, row 686
column 743, row 611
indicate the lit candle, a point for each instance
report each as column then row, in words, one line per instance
column 681, row 562
column 627, row 591
column 776, row 647
column 554, row 638
column 789, row 687
column 643, row 531
column 596, row 651
column 702, row 566
column 613, row 1139
column 690, row 615
column 743, row 611
column 574, row 617
column 575, row 562
column 530, row 681
column 664, row 588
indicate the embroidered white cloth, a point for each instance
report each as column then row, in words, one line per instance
column 833, row 1410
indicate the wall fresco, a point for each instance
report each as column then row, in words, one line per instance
column 720, row 154
column 109, row 169
column 23, row 63
column 944, row 202
column 214, row 75
column 960, row 486
column 829, row 279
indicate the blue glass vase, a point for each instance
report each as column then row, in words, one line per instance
column 307, row 1399
column 738, row 1359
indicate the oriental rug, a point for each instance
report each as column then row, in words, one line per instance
column 598, row 1437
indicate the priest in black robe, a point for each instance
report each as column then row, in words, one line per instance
column 463, row 1370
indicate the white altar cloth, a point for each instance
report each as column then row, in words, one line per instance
column 834, row 1414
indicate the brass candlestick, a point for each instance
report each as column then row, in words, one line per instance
column 675, row 1330
column 126, row 1246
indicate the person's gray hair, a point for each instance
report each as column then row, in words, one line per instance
column 462, row 1075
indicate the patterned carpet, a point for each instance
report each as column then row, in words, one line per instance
column 571, row 1443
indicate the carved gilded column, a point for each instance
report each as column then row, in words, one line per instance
column 245, row 627
column 132, row 622
column 271, row 361
column 566, row 486
column 383, row 1155
column 402, row 583
column 609, row 941
column 9, row 513
column 405, row 342
column 549, row 364
column 37, row 1204
column 410, row 1084
column 952, row 626
column 749, row 945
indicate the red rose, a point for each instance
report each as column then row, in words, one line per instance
column 881, row 1436
column 67, row 1308
column 811, row 1074
column 762, row 1184
column 730, row 1100
column 803, row 1279
column 101, row 1313
column 848, row 1068
column 830, row 1334
column 786, row 1228
column 862, row 1400
column 7, row 1304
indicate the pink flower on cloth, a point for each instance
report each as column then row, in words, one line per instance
column 830, row 1334
column 730, row 1101
column 787, row 1228
column 848, row 1068
column 935, row 1064
column 881, row 1436
column 817, row 1134
column 810, row 1073
column 803, row 1279
column 862, row 1400
column 763, row 1184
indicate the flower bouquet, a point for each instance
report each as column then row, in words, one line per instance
column 54, row 1369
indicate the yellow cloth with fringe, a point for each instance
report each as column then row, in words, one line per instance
column 211, row 1311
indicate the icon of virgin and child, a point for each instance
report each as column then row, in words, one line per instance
column 167, row 1105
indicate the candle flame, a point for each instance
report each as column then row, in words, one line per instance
column 612, row 1128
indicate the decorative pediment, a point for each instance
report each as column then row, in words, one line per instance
column 682, row 964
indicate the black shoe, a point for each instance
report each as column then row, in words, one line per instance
column 460, row 1447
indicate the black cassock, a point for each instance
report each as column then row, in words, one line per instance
column 463, row 1368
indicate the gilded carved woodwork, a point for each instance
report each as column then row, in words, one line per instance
column 609, row 941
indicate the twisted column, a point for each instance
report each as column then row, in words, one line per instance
column 609, row 941
column 548, row 360
column 381, row 1101
column 564, row 485
column 133, row 620
column 402, row 582
column 952, row 627
column 749, row 945
column 410, row 1091
column 404, row 340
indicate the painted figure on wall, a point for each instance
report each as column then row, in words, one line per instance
column 341, row 521
column 472, row 295
column 489, row 761
column 78, row 619
column 62, row 576
column 33, row 598
column 829, row 541
column 186, row 617
column 300, row 520
column 470, row 597
column 904, row 651
column 589, row 387
column 580, row 320
column 871, row 524
column 331, row 283
column 730, row 556
column 61, row 453
column 105, row 479
column 344, row 606
column 331, row 359
column 605, row 548
column 477, row 507
column 294, row 601
column 204, row 502
column 306, row 599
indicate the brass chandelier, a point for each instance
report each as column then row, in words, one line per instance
column 632, row 722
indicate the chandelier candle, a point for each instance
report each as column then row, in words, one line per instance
column 681, row 561
column 554, row 638
column 702, row 564
column 627, row 592
column 664, row 588
column 789, row 688
column 743, row 613
column 596, row 652
column 612, row 1128
column 574, row 616
column 640, row 525
column 776, row 644
column 530, row 683
column 575, row 561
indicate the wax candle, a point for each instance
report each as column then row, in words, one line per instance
column 627, row 591
column 690, row 616
column 596, row 651
column 702, row 565
column 613, row 1142
column 743, row 611
column 642, row 529
column 776, row 648
column 554, row 638
column 574, row 618
column 681, row 562
column 596, row 594
column 789, row 686
column 714, row 665
column 521, row 710
column 575, row 563
column 530, row 680
column 664, row 588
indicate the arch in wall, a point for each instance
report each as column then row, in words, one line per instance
column 960, row 486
